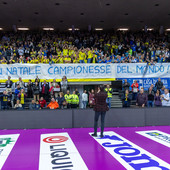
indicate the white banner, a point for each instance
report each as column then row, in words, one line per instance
column 142, row 70
column 7, row 142
column 57, row 151
column 57, row 71
column 157, row 136
column 131, row 156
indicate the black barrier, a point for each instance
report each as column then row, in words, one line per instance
column 77, row 118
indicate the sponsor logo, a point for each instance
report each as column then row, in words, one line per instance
column 57, row 151
column 157, row 136
column 130, row 155
column 7, row 142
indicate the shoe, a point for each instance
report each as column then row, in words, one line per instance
column 94, row 135
column 101, row 136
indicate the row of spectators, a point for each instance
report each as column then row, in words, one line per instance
column 49, row 48
column 156, row 95
column 44, row 95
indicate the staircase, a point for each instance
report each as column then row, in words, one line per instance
column 116, row 101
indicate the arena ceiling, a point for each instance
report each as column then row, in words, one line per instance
column 107, row 14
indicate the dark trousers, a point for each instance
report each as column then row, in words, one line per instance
column 74, row 106
column 68, row 106
column 96, row 118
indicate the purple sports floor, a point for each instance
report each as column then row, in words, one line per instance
column 25, row 153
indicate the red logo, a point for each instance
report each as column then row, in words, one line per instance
column 55, row 139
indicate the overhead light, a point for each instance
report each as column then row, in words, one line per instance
column 48, row 29
column 22, row 29
column 168, row 29
column 76, row 29
column 149, row 29
column 98, row 29
column 122, row 29
column 1, row 28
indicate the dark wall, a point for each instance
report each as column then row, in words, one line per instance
column 78, row 118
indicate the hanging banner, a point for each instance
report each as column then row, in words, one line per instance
column 57, row 71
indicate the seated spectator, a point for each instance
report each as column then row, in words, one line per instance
column 126, row 99
column 30, row 89
column 4, row 100
column 61, row 100
column 157, row 99
column 20, row 82
column 32, row 105
column 37, row 105
column 84, row 99
column 53, row 104
column 159, row 84
column 18, row 106
column 36, row 91
column 165, row 98
column 150, row 102
column 125, row 85
column 42, row 103
column 141, row 98
column 135, row 89
column 22, row 96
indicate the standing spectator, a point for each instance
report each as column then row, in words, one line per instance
column 32, row 105
column 17, row 91
column 77, row 92
column 55, row 88
column 36, row 92
column 68, row 97
column 165, row 98
column 91, row 98
column 20, row 82
column 159, row 84
column 108, row 90
column 84, row 99
column 64, row 84
column 53, row 104
column 4, row 100
column 126, row 99
column 37, row 80
column 150, row 102
column 135, row 89
column 45, row 90
column 157, row 99
column 42, row 103
column 30, row 89
column 162, row 90
column 18, row 106
column 61, row 100
column 141, row 98
column 126, row 85
column 22, row 96
column 9, row 84
column 74, row 100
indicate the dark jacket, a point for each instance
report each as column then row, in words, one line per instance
column 36, row 90
column 46, row 89
column 159, row 85
column 141, row 99
column 158, row 101
column 100, row 102
column 126, row 86
column 61, row 100
column 8, row 84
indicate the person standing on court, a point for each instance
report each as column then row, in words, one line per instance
column 100, row 108
column 108, row 90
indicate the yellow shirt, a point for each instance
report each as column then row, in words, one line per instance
column 67, row 59
column 22, row 98
column 82, row 56
column 65, row 52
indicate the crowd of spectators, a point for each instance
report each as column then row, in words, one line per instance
column 156, row 96
column 80, row 47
